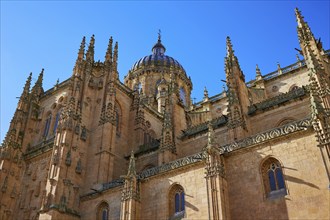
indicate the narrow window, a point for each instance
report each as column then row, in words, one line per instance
column 103, row 211
column 56, row 121
column 273, row 178
column 47, row 125
column 176, row 202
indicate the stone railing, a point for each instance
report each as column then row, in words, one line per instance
column 277, row 100
column 40, row 148
column 268, row 135
column 186, row 161
column 147, row 148
column 202, row 128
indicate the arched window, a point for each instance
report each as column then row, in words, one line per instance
column 273, row 179
column 176, row 202
column 183, row 96
column 57, row 118
column 47, row 125
column 103, row 211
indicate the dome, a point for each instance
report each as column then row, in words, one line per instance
column 157, row 58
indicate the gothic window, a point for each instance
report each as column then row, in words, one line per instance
column 47, row 125
column 177, row 202
column 103, row 211
column 183, row 96
column 57, row 118
column 273, row 179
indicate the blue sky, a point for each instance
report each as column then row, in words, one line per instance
column 47, row 34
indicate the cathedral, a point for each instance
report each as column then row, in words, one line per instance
column 93, row 147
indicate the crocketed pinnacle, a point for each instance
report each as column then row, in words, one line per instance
column 82, row 49
column 229, row 48
column 25, row 94
column 37, row 88
column 90, row 51
column 304, row 31
column 108, row 55
column 115, row 53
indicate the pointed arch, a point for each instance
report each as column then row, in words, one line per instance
column 47, row 124
column 273, row 178
column 176, row 200
column 102, row 211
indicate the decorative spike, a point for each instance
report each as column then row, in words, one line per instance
column 229, row 47
column 37, row 89
column 115, row 53
column 90, row 51
column 108, row 55
column 131, row 166
column 304, row 32
column 258, row 73
column 279, row 70
column 82, row 49
column 25, row 94
column 206, row 95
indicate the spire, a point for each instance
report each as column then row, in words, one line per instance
column 108, row 55
column 25, row 94
column 131, row 166
column 158, row 48
column 304, row 32
column 279, row 69
column 82, row 49
column 258, row 73
column 229, row 48
column 37, row 89
column 90, row 51
column 115, row 56
column 206, row 95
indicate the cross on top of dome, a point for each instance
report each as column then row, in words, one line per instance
column 158, row 48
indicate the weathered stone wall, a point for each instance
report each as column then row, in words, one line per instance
column 89, row 206
column 304, row 174
column 155, row 193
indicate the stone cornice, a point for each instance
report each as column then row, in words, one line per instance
column 180, row 163
column 203, row 128
column 284, row 130
column 278, row 100
column 39, row 149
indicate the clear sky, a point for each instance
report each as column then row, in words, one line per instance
column 47, row 34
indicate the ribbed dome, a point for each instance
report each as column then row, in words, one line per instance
column 157, row 58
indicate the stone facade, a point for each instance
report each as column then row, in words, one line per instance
column 93, row 147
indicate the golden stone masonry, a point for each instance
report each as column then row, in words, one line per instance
column 93, row 147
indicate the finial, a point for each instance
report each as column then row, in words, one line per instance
column 279, row 70
column 90, row 51
column 159, row 35
column 230, row 51
column 56, row 85
column 82, row 49
column 108, row 55
column 258, row 73
column 206, row 95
